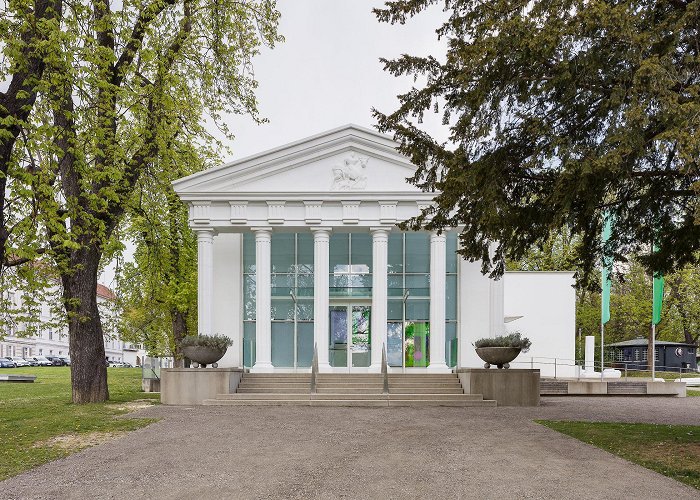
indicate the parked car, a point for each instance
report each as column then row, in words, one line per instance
column 7, row 363
column 39, row 361
column 19, row 361
column 55, row 360
column 115, row 364
column 31, row 361
column 66, row 360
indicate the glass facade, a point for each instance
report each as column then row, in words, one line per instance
column 350, row 276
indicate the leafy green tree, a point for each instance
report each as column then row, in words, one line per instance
column 558, row 112
column 158, row 290
column 121, row 86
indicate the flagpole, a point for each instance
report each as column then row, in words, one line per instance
column 602, row 350
column 652, row 359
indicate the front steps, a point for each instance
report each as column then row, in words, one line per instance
column 262, row 389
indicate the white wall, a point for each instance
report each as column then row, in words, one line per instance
column 474, row 311
column 228, row 288
column 547, row 303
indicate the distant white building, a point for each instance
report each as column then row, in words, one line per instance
column 299, row 247
column 53, row 341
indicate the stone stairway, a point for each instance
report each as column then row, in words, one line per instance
column 350, row 390
column 553, row 387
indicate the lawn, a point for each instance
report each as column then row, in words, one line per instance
column 672, row 450
column 663, row 375
column 39, row 424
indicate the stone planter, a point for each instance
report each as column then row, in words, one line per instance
column 203, row 355
column 499, row 356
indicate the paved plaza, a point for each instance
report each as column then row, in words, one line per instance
column 302, row 452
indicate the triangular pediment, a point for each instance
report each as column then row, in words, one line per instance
column 348, row 159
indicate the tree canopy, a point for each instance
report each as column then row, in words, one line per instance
column 558, row 112
column 115, row 92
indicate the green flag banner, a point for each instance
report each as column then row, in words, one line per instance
column 607, row 270
column 658, row 292
column 658, row 298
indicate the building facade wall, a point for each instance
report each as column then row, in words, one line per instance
column 542, row 306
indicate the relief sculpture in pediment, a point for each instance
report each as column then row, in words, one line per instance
column 350, row 174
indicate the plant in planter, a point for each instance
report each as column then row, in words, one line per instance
column 500, row 351
column 205, row 349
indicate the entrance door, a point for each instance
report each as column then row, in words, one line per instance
column 350, row 338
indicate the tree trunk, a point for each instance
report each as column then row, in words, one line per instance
column 87, row 347
column 179, row 332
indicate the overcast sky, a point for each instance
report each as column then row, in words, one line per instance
column 327, row 73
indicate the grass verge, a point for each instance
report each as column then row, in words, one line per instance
column 40, row 424
column 672, row 450
column 691, row 392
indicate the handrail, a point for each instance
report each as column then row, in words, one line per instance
column 314, row 370
column 385, row 371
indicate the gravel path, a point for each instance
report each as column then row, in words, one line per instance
column 302, row 452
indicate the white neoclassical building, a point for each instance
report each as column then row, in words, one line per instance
column 298, row 247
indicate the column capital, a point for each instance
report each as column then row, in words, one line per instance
column 321, row 229
column 434, row 236
column 380, row 229
column 261, row 230
column 205, row 234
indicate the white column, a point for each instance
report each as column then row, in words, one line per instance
column 438, row 263
column 321, row 297
column 380, row 252
column 263, row 340
column 205, row 280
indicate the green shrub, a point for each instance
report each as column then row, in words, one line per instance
column 218, row 342
column 512, row 340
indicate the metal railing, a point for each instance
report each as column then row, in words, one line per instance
column 575, row 368
column 385, row 371
column 314, row 370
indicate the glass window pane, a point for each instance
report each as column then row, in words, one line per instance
column 416, row 344
column 395, row 285
column 248, row 253
column 394, row 344
column 395, row 253
column 361, row 257
column 451, row 298
column 305, row 310
column 451, row 252
column 395, row 310
column 339, row 253
column 338, row 349
column 305, row 344
column 417, row 253
column 451, row 344
column 282, row 344
column 248, row 344
column 282, row 284
column 418, row 285
column 282, row 250
column 305, row 253
column 282, row 309
column 249, row 296
column 418, row 310
column 305, row 285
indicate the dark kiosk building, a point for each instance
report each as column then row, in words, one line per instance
column 669, row 356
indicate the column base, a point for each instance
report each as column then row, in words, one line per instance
column 262, row 368
column 325, row 368
column 438, row 368
column 374, row 368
